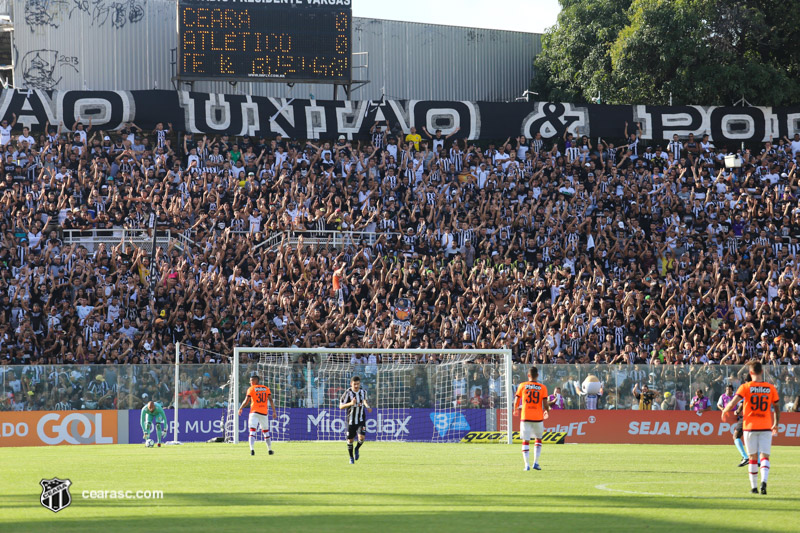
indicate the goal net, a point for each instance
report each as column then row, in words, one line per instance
column 202, row 380
column 414, row 394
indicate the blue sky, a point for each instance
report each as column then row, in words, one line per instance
column 533, row 16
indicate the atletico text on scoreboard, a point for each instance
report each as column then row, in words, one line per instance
column 303, row 40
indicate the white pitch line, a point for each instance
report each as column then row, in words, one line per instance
column 605, row 487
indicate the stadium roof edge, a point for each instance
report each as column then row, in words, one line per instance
column 355, row 19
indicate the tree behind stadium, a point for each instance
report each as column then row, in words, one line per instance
column 709, row 52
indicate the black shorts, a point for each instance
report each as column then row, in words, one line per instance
column 359, row 428
column 738, row 429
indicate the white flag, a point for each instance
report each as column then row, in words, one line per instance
column 589, row 243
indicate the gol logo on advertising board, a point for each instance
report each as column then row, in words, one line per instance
column 42, row 428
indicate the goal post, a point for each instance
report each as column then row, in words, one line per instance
column 198, row 385
column 389, row 384
column 176, row 387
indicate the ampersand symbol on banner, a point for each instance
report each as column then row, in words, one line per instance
column 554, row 122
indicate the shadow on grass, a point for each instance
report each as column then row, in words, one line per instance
column 369, row 502
column 349, row 518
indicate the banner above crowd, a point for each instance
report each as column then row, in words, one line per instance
column 315, row 119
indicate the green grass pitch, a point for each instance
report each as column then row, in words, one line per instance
column 400, row 487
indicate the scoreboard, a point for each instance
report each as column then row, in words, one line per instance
column 293, row 40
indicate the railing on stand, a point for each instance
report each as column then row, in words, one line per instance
column 329, row 238
column 142, row 238
column 183, row 243
column 139, row 238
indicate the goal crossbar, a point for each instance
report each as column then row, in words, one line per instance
column 505, row 353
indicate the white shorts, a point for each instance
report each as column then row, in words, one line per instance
column 758, row 442
column 531, row 430
column 256, row 419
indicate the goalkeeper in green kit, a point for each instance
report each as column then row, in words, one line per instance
column 152, row 417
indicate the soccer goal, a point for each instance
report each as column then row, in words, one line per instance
column 415, row 394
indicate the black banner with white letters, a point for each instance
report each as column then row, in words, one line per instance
column 316, row 119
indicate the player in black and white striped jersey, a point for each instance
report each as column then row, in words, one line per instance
column 354, row 400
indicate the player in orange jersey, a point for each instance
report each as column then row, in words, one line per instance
column 258, row 396
column 532, row 397
column 759, row 398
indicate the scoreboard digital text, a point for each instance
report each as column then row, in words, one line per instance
column 293, row 40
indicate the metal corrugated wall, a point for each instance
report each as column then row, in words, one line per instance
column 109, row 47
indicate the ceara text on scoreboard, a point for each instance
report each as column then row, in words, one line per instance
column 298, row 40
